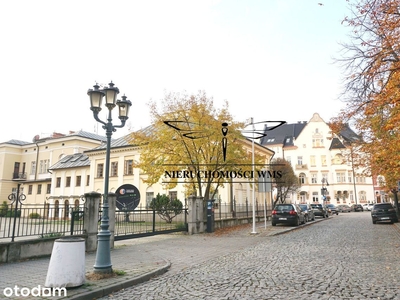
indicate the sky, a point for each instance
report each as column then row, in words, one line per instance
column 269, row 59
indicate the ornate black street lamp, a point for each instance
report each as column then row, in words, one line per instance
column 103, row 253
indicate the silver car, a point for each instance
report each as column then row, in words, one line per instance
column 309, row 213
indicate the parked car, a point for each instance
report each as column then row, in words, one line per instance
column 383, row 212
column 357, row 207
column 308, row 212
column 288, row 214
column 365, row 206
column 344, row 208
column 333, row 209
column 320, row 210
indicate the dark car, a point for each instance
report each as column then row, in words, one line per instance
column 288, row 214
column 383, row 212
column 309, row 213
column 357, row 207
column 319, row 210
column 344, row 208
column 333, row 209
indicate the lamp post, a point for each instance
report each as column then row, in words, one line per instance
column 324, row 189
column 103, row 253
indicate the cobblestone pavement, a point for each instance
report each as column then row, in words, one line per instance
column 344, row 257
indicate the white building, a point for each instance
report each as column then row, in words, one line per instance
column 319, row 159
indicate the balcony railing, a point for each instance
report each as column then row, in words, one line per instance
column 19, row 176
column 301, row 167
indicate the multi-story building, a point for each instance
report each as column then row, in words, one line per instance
column 28, row 163
column 322, row 161
column 60, row 169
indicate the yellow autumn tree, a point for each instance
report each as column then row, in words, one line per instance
column 186, row 142
column 371, row 65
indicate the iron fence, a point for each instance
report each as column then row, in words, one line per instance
column 225, row 210
column 143, row 222
column 40, row 220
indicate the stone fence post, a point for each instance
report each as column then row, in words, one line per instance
column 91, row 219
column 195, row 215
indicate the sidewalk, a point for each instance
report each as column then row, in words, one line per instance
column 138, row 258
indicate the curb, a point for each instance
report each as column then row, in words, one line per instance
column 299, row 227
column 104, row 291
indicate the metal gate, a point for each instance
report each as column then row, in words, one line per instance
column 145, row 222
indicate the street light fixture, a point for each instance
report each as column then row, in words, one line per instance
column 103, row 253
column 324, row 190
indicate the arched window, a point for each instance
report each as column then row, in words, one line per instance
column 302, row 178
column 56, row 209
column 66, row 209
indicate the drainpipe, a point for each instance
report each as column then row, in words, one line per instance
column 37, row 160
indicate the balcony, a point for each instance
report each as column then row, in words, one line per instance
column 301, row 167
column 19, row 176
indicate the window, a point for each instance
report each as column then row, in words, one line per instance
column 128, row 169
column 68, row 181
column 87, row 180
column 351, row 196
column 315, row 196
column 323, row 160
column 350, row 177
column 340, row 177
column 325, row 178
column 317, row 143
column 48, row 190
column 100, row 170
column 58, row 182
column 149, row 198
column 39, row 189
column 313, row 178
column 78, row 180
column 363, row 196
column 114, row 168
column 299, row 160
column 30, row 187
column 312, row 161
column 43, row 166
column 302, row 178
column 289, row 159
column 33, row 168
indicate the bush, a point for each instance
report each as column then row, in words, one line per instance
column 34, row 216
column 3, row 209
column 166, row 208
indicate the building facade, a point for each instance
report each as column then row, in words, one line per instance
column 27, row 163
column 60, row 169
column 322, row 161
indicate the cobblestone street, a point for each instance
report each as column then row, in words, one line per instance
column 344, row 257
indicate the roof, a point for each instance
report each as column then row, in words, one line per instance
column 283, row 134
column 348, row 134
column 336, row 144
column 71, row 161
column 88, row 135
column 81, row 133
column 124, row 141
column 16, row 142
column 286, row 134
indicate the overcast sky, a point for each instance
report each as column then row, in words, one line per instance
column 270, row 59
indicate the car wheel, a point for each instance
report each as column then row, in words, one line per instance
column 273, row 223
column 297, row 222
column 306, row 219
column 373, row 222
column 337, row 213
